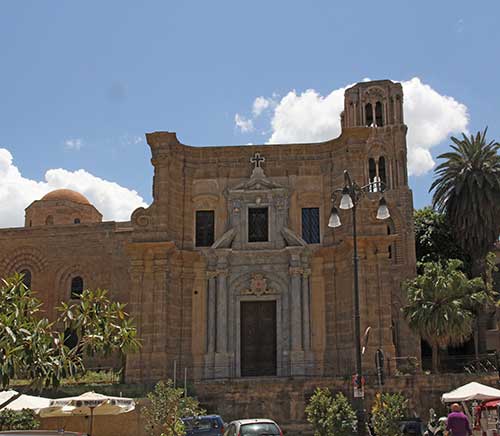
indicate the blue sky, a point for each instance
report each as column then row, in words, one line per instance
column 82, row 81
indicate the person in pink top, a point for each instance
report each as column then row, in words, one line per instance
column 457, row 423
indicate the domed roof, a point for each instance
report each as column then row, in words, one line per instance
column 66, row 194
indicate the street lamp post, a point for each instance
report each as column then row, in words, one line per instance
column 351, row 194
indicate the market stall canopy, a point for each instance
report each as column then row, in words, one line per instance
column 23, row 402
column 471, row 391
column 88, row 404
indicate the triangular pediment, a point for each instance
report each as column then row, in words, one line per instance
column 257, row 182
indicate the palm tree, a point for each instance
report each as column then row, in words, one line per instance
column 467, row 190
column 440, row 305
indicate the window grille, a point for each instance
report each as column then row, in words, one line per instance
column 258, row 224
column 310, row 225
column 205, row 224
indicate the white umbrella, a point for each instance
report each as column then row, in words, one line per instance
column 23, row 401
column 6, row 396
column 471, row 391
column 88, row 404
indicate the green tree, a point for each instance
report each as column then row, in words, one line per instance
column 30, row 347
column 434, row 240
column 467, row 190
column 101, row 325
column 330, row 416
column 167, row 405
column 441, row 304
column 18, row 420
column 387, row 412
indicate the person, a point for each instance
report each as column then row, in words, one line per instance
column 457, row 423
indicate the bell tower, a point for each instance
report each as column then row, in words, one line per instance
column 373, row 104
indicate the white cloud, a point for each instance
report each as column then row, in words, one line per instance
column 260, row 104
column 307, row 117
column 16, row 192
column 73, row 144
column 244, row 124
column 431, row 118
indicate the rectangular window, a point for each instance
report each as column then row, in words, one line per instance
column 258, row 224
column 204, row 228
column 310, row 225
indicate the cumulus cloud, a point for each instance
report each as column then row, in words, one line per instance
column 242, row 123
column 16, row 192
column 309, row 117
column 260, row 104
column 73, row 144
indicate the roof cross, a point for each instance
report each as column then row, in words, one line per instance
column 257, row 160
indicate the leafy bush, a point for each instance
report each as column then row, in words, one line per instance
column 18, row 420
column 330, row 416
column 388, row 411
column 167, row 405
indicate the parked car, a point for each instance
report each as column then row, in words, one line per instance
column 253, row 427
column 412, row 426
column 41, row 433
column 209, row 425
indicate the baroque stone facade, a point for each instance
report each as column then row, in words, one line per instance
column 216, row 310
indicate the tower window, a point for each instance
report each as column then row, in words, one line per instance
column 26, row 278
column 381, row 170
column 258, row 224
column 77, row 221
column 310, row 225
column 205, row 224
column 379, row 119
column 369, row 115
column 372, row 169
column 376, row 174
column 76, row 287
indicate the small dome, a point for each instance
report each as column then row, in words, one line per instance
column 66, row 194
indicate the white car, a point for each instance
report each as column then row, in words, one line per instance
column 253, row 427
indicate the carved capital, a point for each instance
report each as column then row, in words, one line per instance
column 307, row 272
column 295, row 271
column 221, row 272
column 211, row 275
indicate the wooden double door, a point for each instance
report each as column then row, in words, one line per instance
column 258, row 338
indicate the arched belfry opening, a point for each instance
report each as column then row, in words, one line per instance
column 379, row 118
column 368, row 115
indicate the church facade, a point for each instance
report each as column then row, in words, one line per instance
column 232, row 271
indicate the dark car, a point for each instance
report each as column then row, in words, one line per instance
column 412, row 426
column 209, row 425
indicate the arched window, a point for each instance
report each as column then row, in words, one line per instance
column 26, row 278
column 381, row 171
column 368, row 115
column 76, row 287
column 377, row 173
column 372, row 170
column 379, row 119
column 70, row 338
column 77, row 221
column 49, row 220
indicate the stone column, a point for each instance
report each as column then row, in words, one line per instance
column 211, row 277
column 295, row 303
column 221, row 311
column 306, row 307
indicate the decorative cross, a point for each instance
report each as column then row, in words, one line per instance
column 257, row 160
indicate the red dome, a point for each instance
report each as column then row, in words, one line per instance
column 66, row 194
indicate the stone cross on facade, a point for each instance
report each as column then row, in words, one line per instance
column 257, row 160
